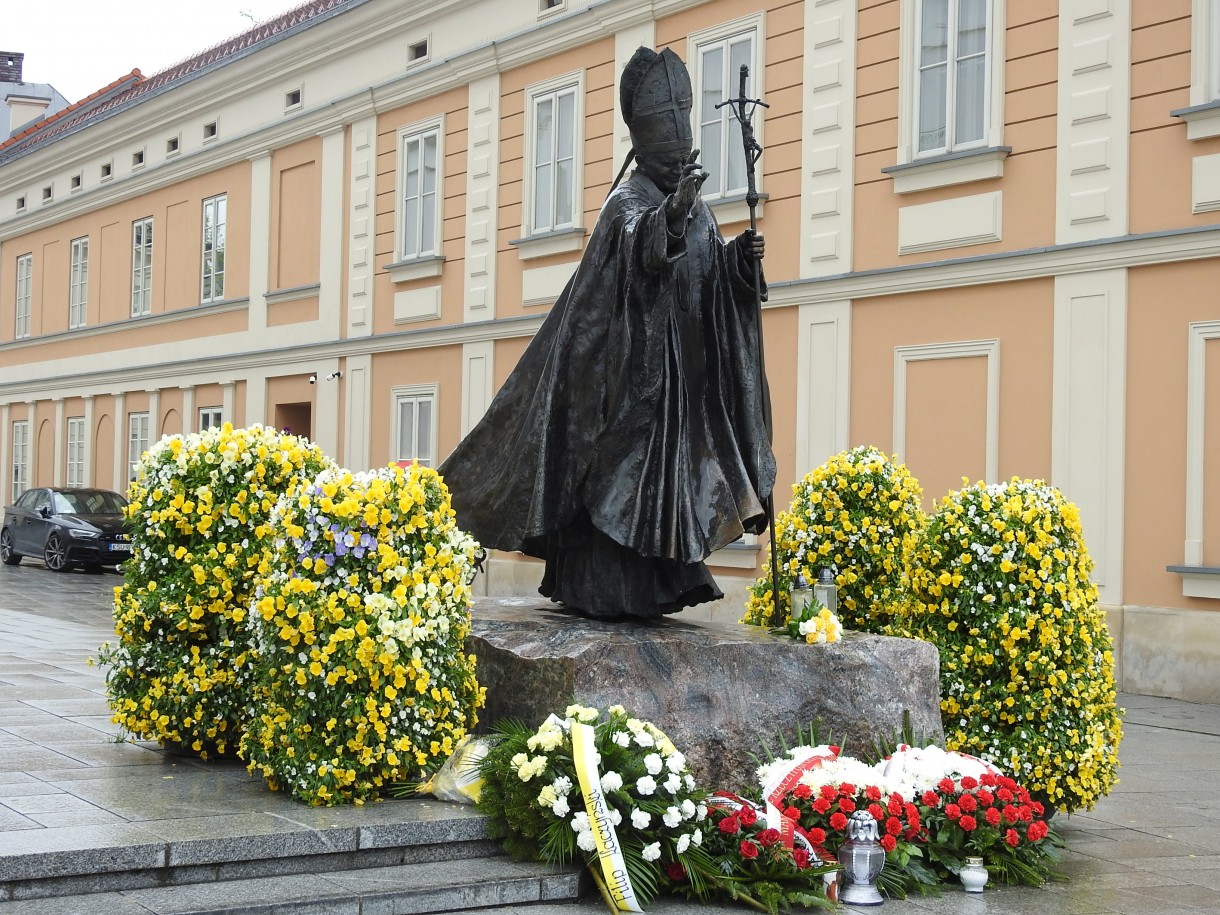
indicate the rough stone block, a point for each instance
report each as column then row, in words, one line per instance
column 717, row 690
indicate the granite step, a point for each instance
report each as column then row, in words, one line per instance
column 193, row 851
column 482, row 884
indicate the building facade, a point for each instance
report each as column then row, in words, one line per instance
column 990, row 226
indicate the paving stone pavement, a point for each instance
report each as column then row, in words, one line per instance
column 68, row 781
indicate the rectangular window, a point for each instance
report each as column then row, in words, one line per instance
column 553, row 179
column 420, row 194
column 137, row 441
column 141, row 266
column 210, row 418
column 953, row 73
column 213, row 287
column 78, row 288
column 76, row 451
column 414, row 425
column 25, row 272
column 21, row 457
column 719, row 135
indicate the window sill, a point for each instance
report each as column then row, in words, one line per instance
column 729, row 210
column 739, row 555
column 1202, row 121
column 292, row 293
column 545, row 244
column 1199, row 581
column 949, row 169
column 416, row 268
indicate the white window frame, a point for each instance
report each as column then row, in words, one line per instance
column 417, row 135
column 76, row 451
column 137, row 440
column 534, row 223
column 21, row 457
column 908, row 91
column 78, row 283
column 141, row 266
column 210, row 418
column 1203, row 116
column 716, row 188
column 416, row 394
column 25, row 280
column 209, row 289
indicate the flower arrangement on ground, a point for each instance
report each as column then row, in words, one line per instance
column 933, row 808
column 360, row 620
column 200, row 510
column 1001, row 585
column 614, row 792
column 859, row 515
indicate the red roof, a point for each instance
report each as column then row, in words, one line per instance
column 134, row 85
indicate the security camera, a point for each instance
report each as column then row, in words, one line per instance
column 333, row 375
column 313, row 379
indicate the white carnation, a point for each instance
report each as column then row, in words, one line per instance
column 585, row 841
column 612, row 781
column 640, row 818
column 653, row 763
column 673, row 816
column 683, row 844
column 651, row 852
column 646, row 785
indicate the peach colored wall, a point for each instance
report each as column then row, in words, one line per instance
column 294, row 312
column 102, row 438
column 1161, row 301
column 42, row 430
column 597, row 61
column 1021, row 316
column 296, row 214
column 170, row 407
column 441, row 366
column 1030, row 103
column 1160, row 153
column 453, row 105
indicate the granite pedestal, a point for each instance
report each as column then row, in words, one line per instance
column 718, row 690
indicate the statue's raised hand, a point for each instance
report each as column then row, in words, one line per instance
column 686, row 195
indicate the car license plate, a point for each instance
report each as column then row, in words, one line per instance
column 120, row 547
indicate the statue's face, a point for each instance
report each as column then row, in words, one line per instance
column 665, row 168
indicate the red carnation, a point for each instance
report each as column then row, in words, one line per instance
column 1012, row 814
column 985, row 798
column 792, row 813
column 802, row 792
column 969, row 782
column 675, row 871
column 893, row 826
column 988, row 779
column 846, row 804
column 931, row 799
column 992, row 816
column 895, row 804
column 847, row 789
column 768, row 837
column 1012, row 838
column 877, row 812
column 830, row 792
column 748, row 816
column 1037, row 808
column 800, row 858
column 952, row 811
column 821, row 805
column 729, row 826
column 838, row 821
column 873, row 793
column 946, row 786
column 968, row 823
column 968, row 803
column 749, row 850
column 888, row 842
column 1004, row 794
column 816, row 836
column 1037, row 831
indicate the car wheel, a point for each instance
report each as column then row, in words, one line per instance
column 55, row 555
column 7, row 554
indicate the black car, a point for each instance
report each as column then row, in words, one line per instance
column 66, row 527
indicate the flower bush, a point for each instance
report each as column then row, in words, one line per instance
column 1001, row 585
column 859, row 515
column 360, row 619
column 200, row 507
column 656, row 813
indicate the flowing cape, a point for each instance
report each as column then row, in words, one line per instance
column 639, row 400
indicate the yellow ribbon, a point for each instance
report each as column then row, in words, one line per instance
column 609, row 852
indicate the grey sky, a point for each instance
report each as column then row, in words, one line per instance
column 78, row 46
